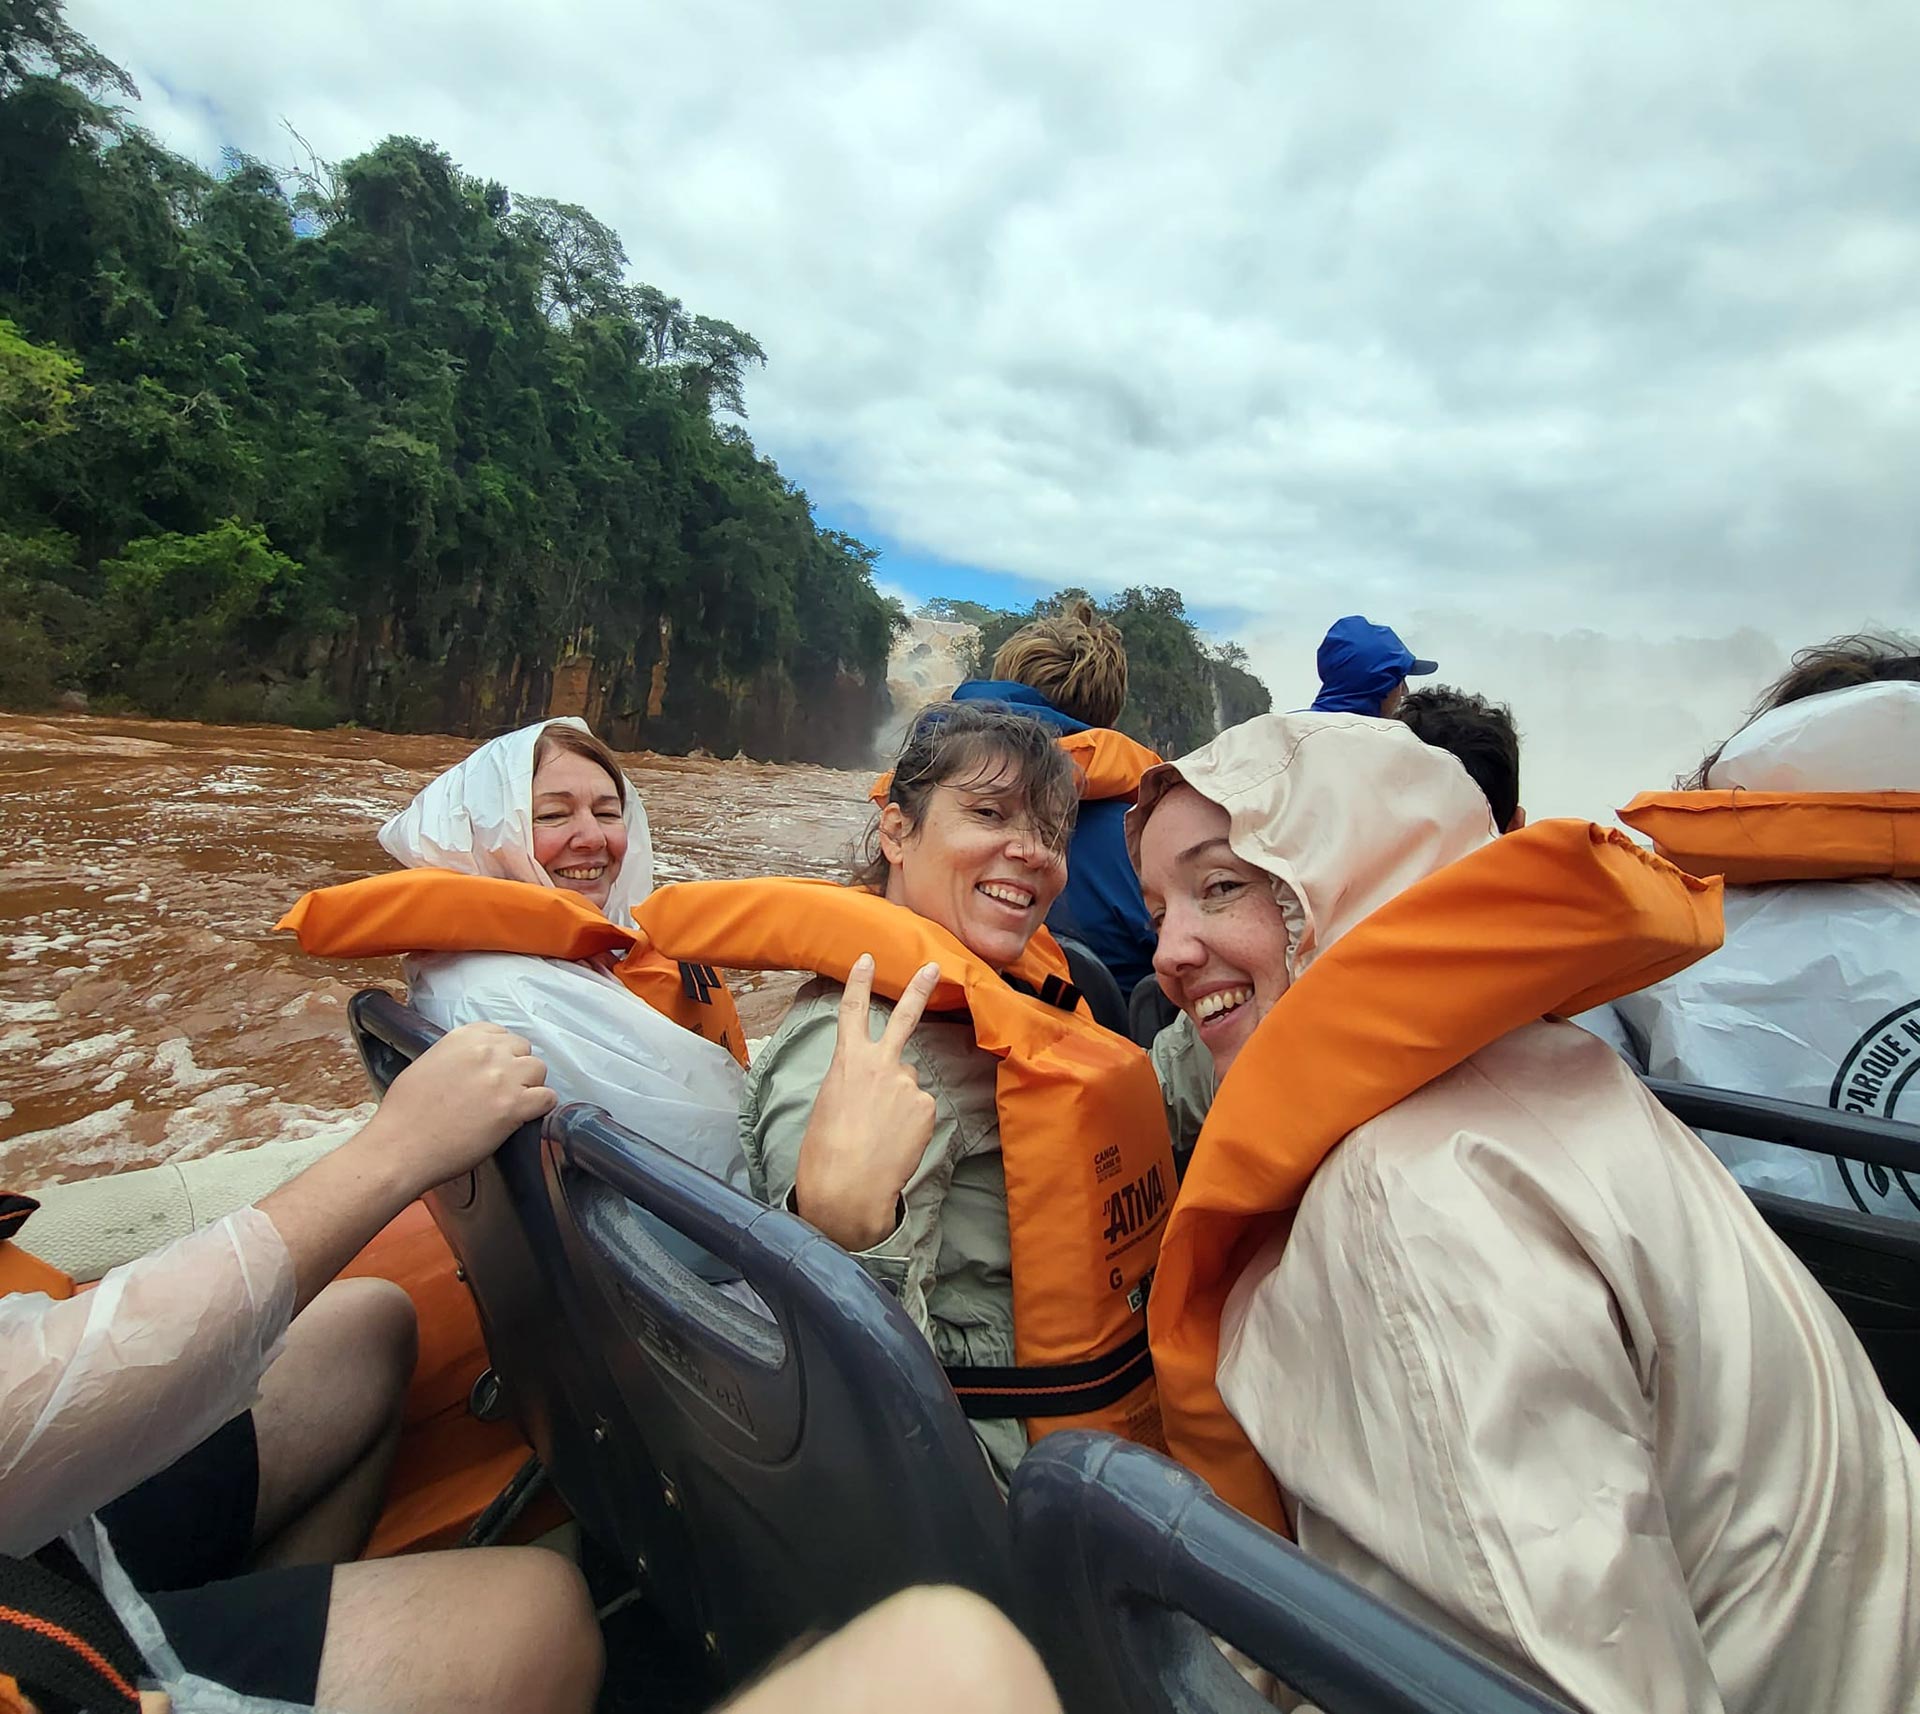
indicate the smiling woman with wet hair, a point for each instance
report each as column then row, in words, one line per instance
column 906, row 1173
column 996, row 764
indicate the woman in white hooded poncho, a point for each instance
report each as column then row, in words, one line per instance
column 544, row 791
column 1816, row 995
column 1517, row 1352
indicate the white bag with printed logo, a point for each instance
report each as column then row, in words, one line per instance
column 1815, row 998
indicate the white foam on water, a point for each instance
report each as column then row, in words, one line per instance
column 227, row 1095
column 28, row 1011
column 210, row 1121
column 211, row 1124
column 94, row 1139
column 79, row 1052
column 233, row 784
column 174, row 1056
column 374, row 808
column 295, row 1121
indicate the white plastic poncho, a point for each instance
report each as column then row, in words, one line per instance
column 601, row 1043
column 1816, row 995
column 103, row 1390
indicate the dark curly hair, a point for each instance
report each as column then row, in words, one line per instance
column 1862, row 658
column 975, row 745
column 1479, row 734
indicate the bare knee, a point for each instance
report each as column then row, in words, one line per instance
column 446, row 1633
column 369, row 1323
column 552, row 1649
column 967, row 1654
column 977, row 1649
column 335, row 1394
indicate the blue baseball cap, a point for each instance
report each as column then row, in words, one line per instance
column 1360, row 665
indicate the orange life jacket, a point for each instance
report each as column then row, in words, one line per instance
column 437, row 910
column 1083, row 1137
column 1753, row 837
column 1557, row 918
column 21, row 1270
column 1110, row 765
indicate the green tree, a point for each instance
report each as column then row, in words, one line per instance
column 467, row 445
column 37, row 41
column 190, row 610
column 38, row 386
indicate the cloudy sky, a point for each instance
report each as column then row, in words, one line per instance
column 1580, row 340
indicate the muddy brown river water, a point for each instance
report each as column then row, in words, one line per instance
column 147, row 1010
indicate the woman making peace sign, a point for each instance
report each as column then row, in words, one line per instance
column 881, row 1126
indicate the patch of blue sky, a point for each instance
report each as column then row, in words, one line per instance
column 923, row 575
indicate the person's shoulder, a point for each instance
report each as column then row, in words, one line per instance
column 814, row 1014
column 1544, row 1113
column 1180, row 1059
column 812, row 1025
column 513, row 980
column 449, row 988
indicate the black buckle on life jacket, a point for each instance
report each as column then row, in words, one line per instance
column 698, row 981
column 1057, row 991
column 1053, row 1389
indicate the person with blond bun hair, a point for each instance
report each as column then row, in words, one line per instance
column 1069, row 672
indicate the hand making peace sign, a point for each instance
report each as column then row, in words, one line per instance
column 871, row 1121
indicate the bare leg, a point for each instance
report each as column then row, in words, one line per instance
column 956, row 1652
column 449, row 1633
column 328, row 1421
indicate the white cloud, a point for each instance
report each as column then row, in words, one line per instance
column 1541, row 316
column 1601, row 716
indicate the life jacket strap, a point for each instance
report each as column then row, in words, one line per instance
column 1054, row 1389
column 698, row 981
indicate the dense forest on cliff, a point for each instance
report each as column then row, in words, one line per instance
column 379, row 441
column 1181, row 690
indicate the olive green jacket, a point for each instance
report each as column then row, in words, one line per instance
column 950, row 1261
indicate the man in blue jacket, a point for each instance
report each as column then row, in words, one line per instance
column 1070, row 673
column 1364, row 669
